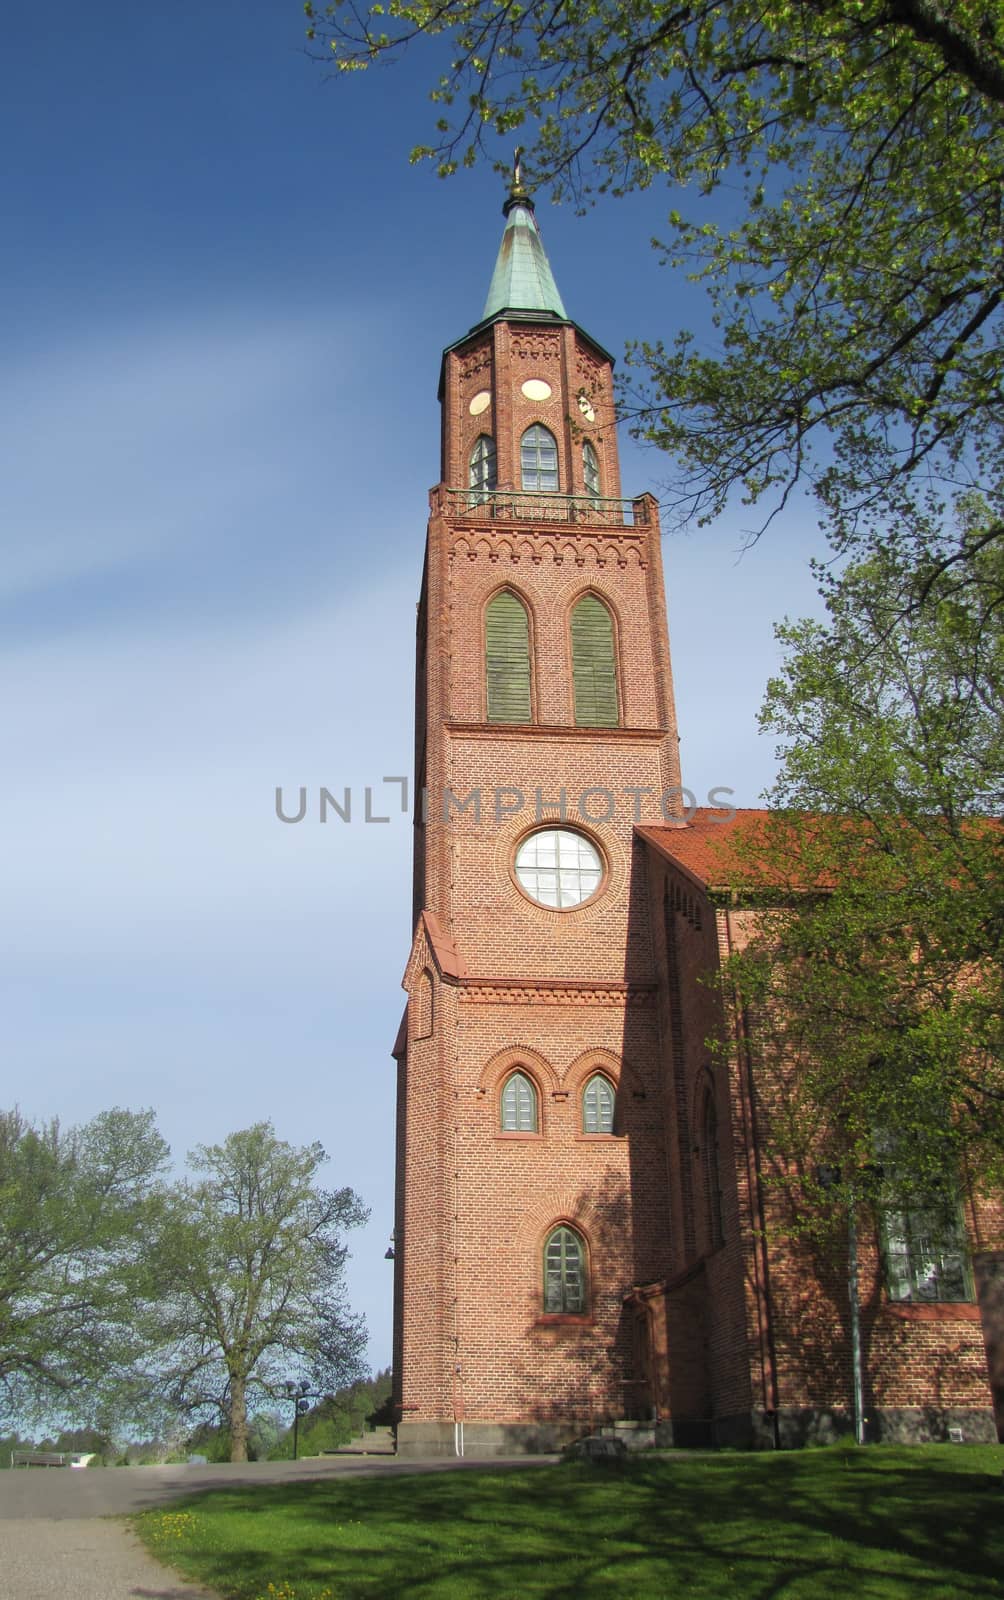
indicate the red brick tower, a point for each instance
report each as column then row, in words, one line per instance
column 532, row 1180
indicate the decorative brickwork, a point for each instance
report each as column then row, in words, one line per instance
column 698, row 1309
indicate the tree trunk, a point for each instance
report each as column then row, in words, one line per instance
column 238, row 1419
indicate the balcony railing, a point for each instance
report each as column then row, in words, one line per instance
column 509, row 505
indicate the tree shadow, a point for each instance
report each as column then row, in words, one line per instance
column 882, row 1522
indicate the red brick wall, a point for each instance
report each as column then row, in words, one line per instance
column 558, row 993
column 751, row 1323
column 927, row 1358
column 497, row 361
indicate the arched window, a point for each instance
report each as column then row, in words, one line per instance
column 538, row 460
column 519, row 1105
column 564, row 1272
column 591, row 472
column 594, row 670
column 507, row 659
column 484, row 473
column 598, row 1105
column 712, row 1176
column 424, row 1009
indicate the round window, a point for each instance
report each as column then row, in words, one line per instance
column 557, row 867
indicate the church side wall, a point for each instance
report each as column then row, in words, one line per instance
column 925, row 1363
column 717, row 1352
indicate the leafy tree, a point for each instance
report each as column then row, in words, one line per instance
column 877, row 971
column 246, row 1281
column 857, row 293
column 75, row 1206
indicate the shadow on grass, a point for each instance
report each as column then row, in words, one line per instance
column 872, row 1524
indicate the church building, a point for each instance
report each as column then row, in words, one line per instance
column 584, row 1238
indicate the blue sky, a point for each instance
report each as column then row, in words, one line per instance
column 225, row 295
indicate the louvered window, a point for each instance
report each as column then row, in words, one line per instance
column 564, row 1272
column 484, row 473
column 507, row 659
column 538, row 460
column 519, row 1105
column 591, row 472
column 594, row 671
column 598, row 1105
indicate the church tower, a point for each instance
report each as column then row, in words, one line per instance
column 532, row 1163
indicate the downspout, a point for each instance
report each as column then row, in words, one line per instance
column 458, row 1396
column 754, row 1178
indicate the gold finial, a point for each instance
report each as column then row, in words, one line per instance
column 519, row 194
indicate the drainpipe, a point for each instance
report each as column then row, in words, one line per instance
column 768, row 1357
column 852, row 1290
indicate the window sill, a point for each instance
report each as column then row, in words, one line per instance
column 565, row 1319
column 599, row 1138
column 933, row 1310
column 504, row 1136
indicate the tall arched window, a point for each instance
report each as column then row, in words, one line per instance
column 519, row 1105
column 712, row 1175
column 538, row 460
column 594, row 670
column 591, row 472
column 424, row 1009
column 484, row 472
column 598, row 1105
column 507, row 659
column 564, row 1272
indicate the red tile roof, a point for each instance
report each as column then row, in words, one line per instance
column 445, row 953
column 704, row 846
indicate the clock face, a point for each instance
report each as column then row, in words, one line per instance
column 482, row 400
column 536, row 389
column 558, row 867
column 586, row 407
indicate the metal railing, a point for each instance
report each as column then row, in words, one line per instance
column 510, row 505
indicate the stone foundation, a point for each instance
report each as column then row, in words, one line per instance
column 795, row 1429
column 487, row 1439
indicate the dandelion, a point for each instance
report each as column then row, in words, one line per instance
column 171, row 1525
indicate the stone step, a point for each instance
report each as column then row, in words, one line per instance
column 375, row 1442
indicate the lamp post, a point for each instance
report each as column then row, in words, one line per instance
column 297, row 1392
column 829, row 1178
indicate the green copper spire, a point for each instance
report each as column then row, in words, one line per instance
column 522, row 280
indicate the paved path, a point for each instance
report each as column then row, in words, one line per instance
column 70, row 1559
column 54, row 1545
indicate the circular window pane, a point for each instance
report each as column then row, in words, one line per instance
column 558, row 868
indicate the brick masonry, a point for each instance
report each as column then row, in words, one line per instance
column 710, row 1322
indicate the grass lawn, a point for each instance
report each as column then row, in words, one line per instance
column 874, row 1524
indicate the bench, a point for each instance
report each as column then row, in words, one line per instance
column 41, row 1458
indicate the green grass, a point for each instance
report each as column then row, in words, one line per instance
column 871, row 1524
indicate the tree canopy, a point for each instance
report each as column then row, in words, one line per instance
column 76, row 1206
column 856, row 279
column 877, row 972
column 246, row 1288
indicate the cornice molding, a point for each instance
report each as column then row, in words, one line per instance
column 554, row 992
column 515, row 731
